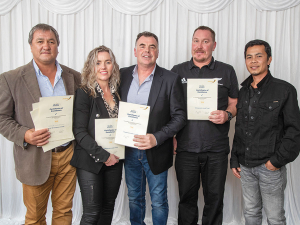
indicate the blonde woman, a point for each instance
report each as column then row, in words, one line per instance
column 99, row 172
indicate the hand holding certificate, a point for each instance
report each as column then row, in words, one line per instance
column 105, row 132
column 132, row 120
column 202, row 98
column 56, row 114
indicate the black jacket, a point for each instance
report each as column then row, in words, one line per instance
column 87, row 154
column 273, row 132
column 167, row 114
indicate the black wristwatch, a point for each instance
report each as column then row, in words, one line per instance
column 229, row 115
column 25, row 145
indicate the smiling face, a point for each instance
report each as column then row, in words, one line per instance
column 146, row 51
column 104, row 67
column 44, row 47
column 257, row 60
column 202, row 47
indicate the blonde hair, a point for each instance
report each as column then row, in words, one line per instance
column 89, row 75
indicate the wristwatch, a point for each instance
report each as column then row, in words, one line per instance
column 25, row 145
column 229, row 115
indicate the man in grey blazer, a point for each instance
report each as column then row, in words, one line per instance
column 40, row 172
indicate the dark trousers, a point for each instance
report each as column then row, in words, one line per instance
column 213, row 169
column 98, row 193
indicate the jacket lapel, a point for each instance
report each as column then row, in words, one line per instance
column 126, row 82
column 155, row 87
column 30, row 82
column 69, row 83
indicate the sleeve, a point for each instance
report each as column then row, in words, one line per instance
column 9, row 127
column 234, row 86
column 290, row 142
column 81, row 116
column 234, row 162
column 177, row 113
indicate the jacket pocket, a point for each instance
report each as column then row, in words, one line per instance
column 268, row 113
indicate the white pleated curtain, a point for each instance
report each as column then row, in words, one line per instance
column 85, row 24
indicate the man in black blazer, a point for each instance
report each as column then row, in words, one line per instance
column 148, row 84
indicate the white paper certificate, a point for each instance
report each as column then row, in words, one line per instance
column 56, row 114
column 202, row 98
column 132, row 120
column 105, row 132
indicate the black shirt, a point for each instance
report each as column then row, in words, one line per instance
column 203, row 135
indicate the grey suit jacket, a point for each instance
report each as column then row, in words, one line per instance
column 19, row 89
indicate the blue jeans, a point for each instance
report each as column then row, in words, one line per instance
column 136, row 170
column 263, row 188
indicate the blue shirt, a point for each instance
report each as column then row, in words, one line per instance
column 46, row 88
column 139, row 94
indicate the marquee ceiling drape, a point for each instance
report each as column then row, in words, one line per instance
column 85, row 24
column 141, row 7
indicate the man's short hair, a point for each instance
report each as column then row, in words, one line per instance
column 43, row 27
column 213, row 34
column 146, row 34
column 259, row 42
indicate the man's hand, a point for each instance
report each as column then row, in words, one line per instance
column 218, row 117
column 270, row 166
column 144, row 142
column 174, row 145
column 236, row 172
column 38, row 138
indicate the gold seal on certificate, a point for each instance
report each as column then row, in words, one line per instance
column 202, row 98
column 56, row 114
column 105, row 132
column 133, row 119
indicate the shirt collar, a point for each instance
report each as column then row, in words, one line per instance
column 210, row 66
column 39, row 73
column 249, row 80
column 135, row 73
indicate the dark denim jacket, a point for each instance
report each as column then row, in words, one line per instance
column 273, row 131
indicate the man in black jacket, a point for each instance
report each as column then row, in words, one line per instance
column 267, row 136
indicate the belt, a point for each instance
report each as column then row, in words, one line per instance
column 61, row 148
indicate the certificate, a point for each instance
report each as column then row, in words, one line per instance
column 54, row 113
column 132, row 120
column 105, row 132
column 202, row 98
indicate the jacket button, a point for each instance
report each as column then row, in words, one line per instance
column 93, row 157
column 246, row 101
column 247, row 149
column 97, row 115
column 252, row 117
column 270, row 107
column 90, row 154
column 249, row 134
column 258, row 92
column 246, row 117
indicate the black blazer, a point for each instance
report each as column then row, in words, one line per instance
column 167, row 114
column 87, row 154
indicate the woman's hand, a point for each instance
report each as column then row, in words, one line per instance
column 112, row 160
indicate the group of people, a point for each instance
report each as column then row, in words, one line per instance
column 267, row 133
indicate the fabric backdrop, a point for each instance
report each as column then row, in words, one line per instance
column 85, row 24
